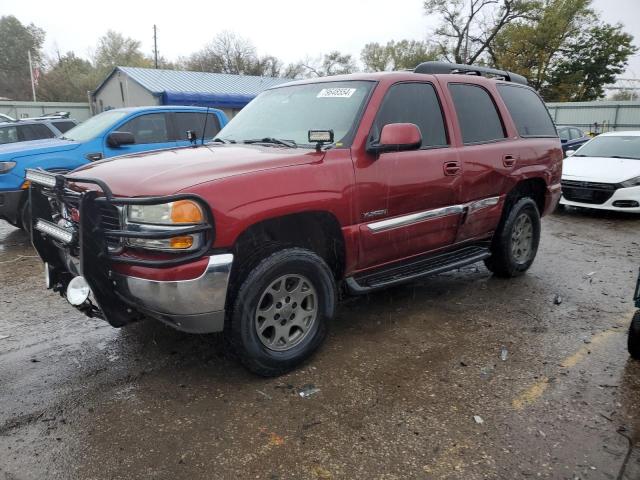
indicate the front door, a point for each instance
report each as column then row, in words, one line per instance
column 407, row 201
column 151, row 131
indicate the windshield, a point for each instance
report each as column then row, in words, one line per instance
column 614, row 146
column 288, row 113
column 94, row 126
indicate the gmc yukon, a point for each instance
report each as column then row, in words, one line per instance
column 354, row 182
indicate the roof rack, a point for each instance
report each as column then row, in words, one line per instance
column 444, row 67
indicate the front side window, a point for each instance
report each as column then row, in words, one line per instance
column 564, row 133
column 64, row 125
column 575, row 134
column 415, row 103
column 149, row 128
column 194, row 121
column 8, row 135
column 477, row 114
column 94, row 126
column 528, row 111
column 288, row 113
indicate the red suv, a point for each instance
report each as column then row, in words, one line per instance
column 357, row 181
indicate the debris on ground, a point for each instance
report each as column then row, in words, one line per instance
column 504, row 353
column 557, row 299
column 265, row 395
column 2, row 337
column 308, row 390
column 478, row 419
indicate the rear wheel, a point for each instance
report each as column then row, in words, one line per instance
column 280, row 314
column 633, row 342
column 516, row 240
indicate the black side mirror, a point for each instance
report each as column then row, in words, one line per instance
column 117, row 139
column 563, row 140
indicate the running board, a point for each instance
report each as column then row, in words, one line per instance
column 416, row 268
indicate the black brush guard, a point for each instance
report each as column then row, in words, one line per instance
column 90, row 243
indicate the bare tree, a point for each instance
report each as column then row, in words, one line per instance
column 469, row 26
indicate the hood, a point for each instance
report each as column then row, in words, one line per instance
column 165, row 172
column 34, row 147
column 600, row 169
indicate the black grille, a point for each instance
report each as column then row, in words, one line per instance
column 110, row 221
column 587, row 192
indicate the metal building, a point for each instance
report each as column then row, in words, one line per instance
column 597, row 117
column 135, row 87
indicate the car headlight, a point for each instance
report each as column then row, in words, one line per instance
column 165, row 217
column 6, row 166
column 634, row 182
column 174, row 213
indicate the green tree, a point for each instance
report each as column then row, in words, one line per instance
column 16, row 40
column 405, row 54
column 591, row 61
column 468, row 27
column 114, row 50
column 68, row 79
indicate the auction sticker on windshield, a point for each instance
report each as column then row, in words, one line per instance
column 336, row 93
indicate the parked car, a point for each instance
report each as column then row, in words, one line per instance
column 604, row 173
column 633, row 342
column 362, row 181
column 34, row 129
column 572, row 138
column 112, row 133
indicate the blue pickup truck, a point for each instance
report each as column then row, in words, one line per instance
column 112, row 133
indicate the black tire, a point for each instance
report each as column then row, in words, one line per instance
column 241, row 326
column 503, row 262
column 633, row 342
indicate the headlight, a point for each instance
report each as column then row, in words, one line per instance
column 174, row 213
column 634, row 182
column 165, row 217
column 6, row 166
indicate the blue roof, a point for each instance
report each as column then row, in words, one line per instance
column 178, row 87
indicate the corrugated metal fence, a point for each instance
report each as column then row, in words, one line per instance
column 599, row 116
column 79, row 111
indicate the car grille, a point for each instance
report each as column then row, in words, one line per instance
column 588, row 192
column 111, row 219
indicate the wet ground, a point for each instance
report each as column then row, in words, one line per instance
column 411, row 381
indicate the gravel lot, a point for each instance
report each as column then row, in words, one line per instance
column 400, row 380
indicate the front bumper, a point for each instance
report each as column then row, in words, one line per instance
column 10, row 202
column 83, row 244
column 194, row 306
column 621, row 196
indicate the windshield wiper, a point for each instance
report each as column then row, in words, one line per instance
column 275, row 141
column 220, row 140
column 626, row 158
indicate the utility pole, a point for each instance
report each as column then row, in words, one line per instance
column 155, row 45
column 33, row 85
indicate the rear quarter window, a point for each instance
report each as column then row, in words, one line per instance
column 528, row 111
column 64, row 125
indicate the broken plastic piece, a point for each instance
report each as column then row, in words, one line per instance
column 478, row 419
column 308, row 390
column 504, row 353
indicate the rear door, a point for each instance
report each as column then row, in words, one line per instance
column 406, row 200
column 151, row 131
column 488, row 157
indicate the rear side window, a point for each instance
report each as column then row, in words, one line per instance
column 194, row 121
column 8, row 135
column 564, row 133
column 477, row 114
column 575, row 134
column 527, row 111
column 34, row 132
column 150, row 128
column 413, row 103
column 64, row 125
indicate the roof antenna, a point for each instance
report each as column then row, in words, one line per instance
column 204, row 129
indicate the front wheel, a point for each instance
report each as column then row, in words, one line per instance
column 281, row 310
column 633, row 342
column 515, row 243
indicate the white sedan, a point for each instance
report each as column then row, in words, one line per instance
column 604, row 173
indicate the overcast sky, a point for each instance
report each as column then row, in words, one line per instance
column 288, row 29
